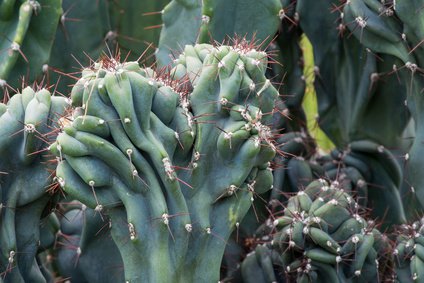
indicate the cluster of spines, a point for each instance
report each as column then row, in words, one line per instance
column 408, row 252
column 322, row 236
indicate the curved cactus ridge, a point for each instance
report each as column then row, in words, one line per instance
column 26, row 122
column 84, row 229
column 177, row 163
column 373, row 173
column 412, row 72
column 322, row 237
column 27, row 30
column 359, row 86
column 391, row 29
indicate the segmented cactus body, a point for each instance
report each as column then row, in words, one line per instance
column 322, row 237
column 177, row 164
column 26, row 124
column 409, row 253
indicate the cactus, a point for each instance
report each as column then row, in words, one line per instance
column 176, row 166
column 373, row 173
column 89, row 28
column 27, row 30
column 84, row 229
column 390, row 29
column 25, row 126
column 189, row 21
column 322, row 237
column 358, row 87
column 408, row 257
column 170, row 162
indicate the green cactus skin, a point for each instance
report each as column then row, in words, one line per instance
column 372, row 173
column 27, row 29
column 25, row 123
column 409, row 253
column 249, row 19
column 322, row 238
column 138, row 130
column 188, row 21
column 412, row 69
column 358, row 87
column 84, row 229
column 181, row 23
column 391, row 29
column 289, row 76
column 258, row 266
column 89, row 28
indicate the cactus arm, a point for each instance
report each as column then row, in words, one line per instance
column 181, row 23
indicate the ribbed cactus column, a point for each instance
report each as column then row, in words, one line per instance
column 396, row 28
column 190, row 21
column 27, row 30
column 25, row 123
column 177, row 164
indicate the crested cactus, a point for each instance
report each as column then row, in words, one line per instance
column 176, row 164
column 374, row 175
column 322, row 237
column 26, row 123
column 177, row 168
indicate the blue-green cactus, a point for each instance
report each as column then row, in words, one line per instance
column 189, row 21
column 322, row 237
column 27, row 30
column 409, row 253
column 176, row 169
column 26, row 122
column 84, row 229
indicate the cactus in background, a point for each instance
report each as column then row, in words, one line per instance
column 293, row 169
column 88, row 28
column 176, row 170
column 374, row 174
column 322, row 237
column 26, row 123
column 189, row 21
column 84, row 229
column 181, row 24
column 395, row 28
column 27, row 33
column 288, row 70
column 409, row 253
column 358, row 87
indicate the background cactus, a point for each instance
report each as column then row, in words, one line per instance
column 408, row 253
column 321, row 237
column 27, row 30
column 189, row 21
